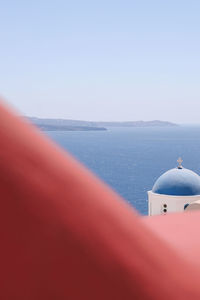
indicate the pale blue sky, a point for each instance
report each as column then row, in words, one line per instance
column 102, row 60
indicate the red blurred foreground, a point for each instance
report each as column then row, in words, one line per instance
column 65, row 235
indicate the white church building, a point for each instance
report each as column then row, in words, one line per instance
column 177, row 190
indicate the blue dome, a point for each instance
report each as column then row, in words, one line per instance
column 178, row 182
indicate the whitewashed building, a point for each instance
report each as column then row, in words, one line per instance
column 176, row 190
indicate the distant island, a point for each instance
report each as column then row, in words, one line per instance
column 155, row 123
column 47, row 127
column 77, row 125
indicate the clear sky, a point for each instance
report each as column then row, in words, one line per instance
column 102, row 60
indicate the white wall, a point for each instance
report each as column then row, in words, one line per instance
column 174, row 203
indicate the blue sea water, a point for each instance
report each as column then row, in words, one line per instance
column 131, row 159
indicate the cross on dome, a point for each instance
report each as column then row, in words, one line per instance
column 179, row 161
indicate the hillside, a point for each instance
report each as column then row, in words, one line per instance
column 66, row 124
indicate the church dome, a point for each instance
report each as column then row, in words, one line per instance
column 178, row 182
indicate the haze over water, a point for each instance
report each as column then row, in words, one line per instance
column 102, row 60
column 131, row 159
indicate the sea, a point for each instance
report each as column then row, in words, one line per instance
column 130, row 160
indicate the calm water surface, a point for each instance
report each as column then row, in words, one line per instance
column 131, row 159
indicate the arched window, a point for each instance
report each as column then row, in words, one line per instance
column 186, row 205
